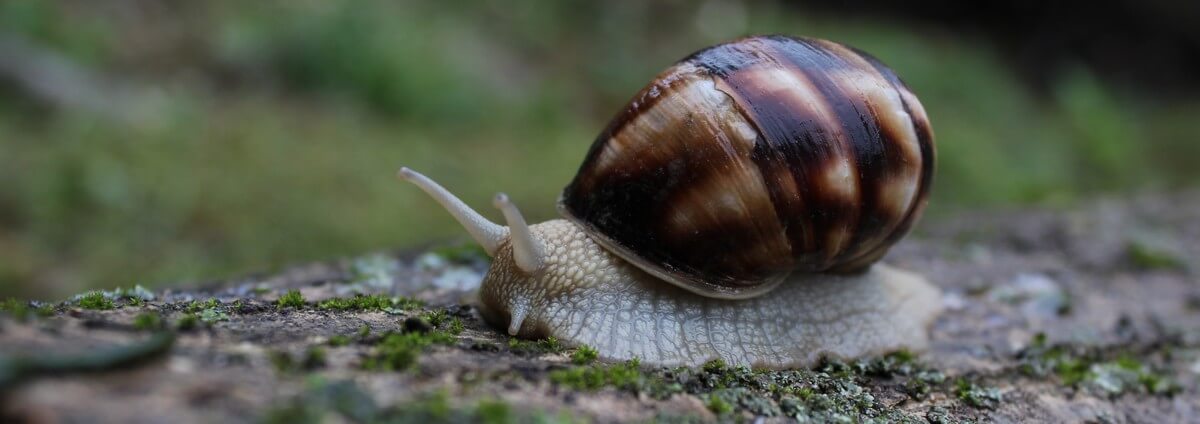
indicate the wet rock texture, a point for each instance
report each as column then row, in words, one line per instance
column 1088, row 314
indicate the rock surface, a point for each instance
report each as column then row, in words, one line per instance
column 1090, row 314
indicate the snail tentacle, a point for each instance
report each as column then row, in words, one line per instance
column 486, row 233
column 527, row 251
column 518, row 311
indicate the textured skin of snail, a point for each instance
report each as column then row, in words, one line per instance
column 586, row 295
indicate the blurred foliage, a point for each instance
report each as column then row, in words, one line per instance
column 277, row 125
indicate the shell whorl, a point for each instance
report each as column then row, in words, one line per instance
column 752, row 159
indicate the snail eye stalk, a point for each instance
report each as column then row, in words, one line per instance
column 527, row 251
column 487, row 233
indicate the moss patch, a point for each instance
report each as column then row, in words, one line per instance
column 976, row 396
column 398, row 352
column 1149, row 253
column 14, row 307
column 339, row 340
column 1113, row 373
column 345, row 401
column 832, row 391
column 95, row 300
column 148, row 321
column 197, row 306
column 291, row 299
column 456, row 326
column 626, row 375
column 370, row 303
column 187, row 322
column 435, row 317
column 718, row 405
column 21, row 310
column 213, row 315
column 312, row 358
column 584, row 355
column 535, row 347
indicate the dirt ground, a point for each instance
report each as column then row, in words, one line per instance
column 1083, row 315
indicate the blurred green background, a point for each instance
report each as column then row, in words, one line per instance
column 158, row 143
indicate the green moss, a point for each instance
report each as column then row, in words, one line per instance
column 456, row 326
column 1040, row 359
column 626, row 375
column 370, row 303
column 939, row 415
column 281, row 361
column 900, row 363
column 535, row 347
column 187, row 322
column 18, row 309
column 1128, row 374
column 1080, row 367
column 1159, row 384
column 1070, row 370
column 714, row 366
column 213, row 315
column 197, row 306
column 435, row 317
column 718, row 406
column 833, row 392
column 344, row 401
column 976, row 396
column 339, row 340
column 435, row 405
column 745, row 399
column 295, row 412
column 22, row 310
column 398, row 352
column 584, row 355
column 1148, row 255
column 922, row 383
column 314, row 357
column 493, row 412
column 291, row 299
column 484, row 346
column 148, row 321
column 95, row 300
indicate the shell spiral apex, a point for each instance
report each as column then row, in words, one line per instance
column 753, row 159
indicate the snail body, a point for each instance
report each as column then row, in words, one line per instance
column 735, row 209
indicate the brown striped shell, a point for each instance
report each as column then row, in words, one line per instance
column 753, row 159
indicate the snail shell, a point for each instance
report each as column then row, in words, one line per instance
column 754, row 159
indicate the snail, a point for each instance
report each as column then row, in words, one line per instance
column 735, row 209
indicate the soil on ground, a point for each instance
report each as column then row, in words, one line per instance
column 1089, row 314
